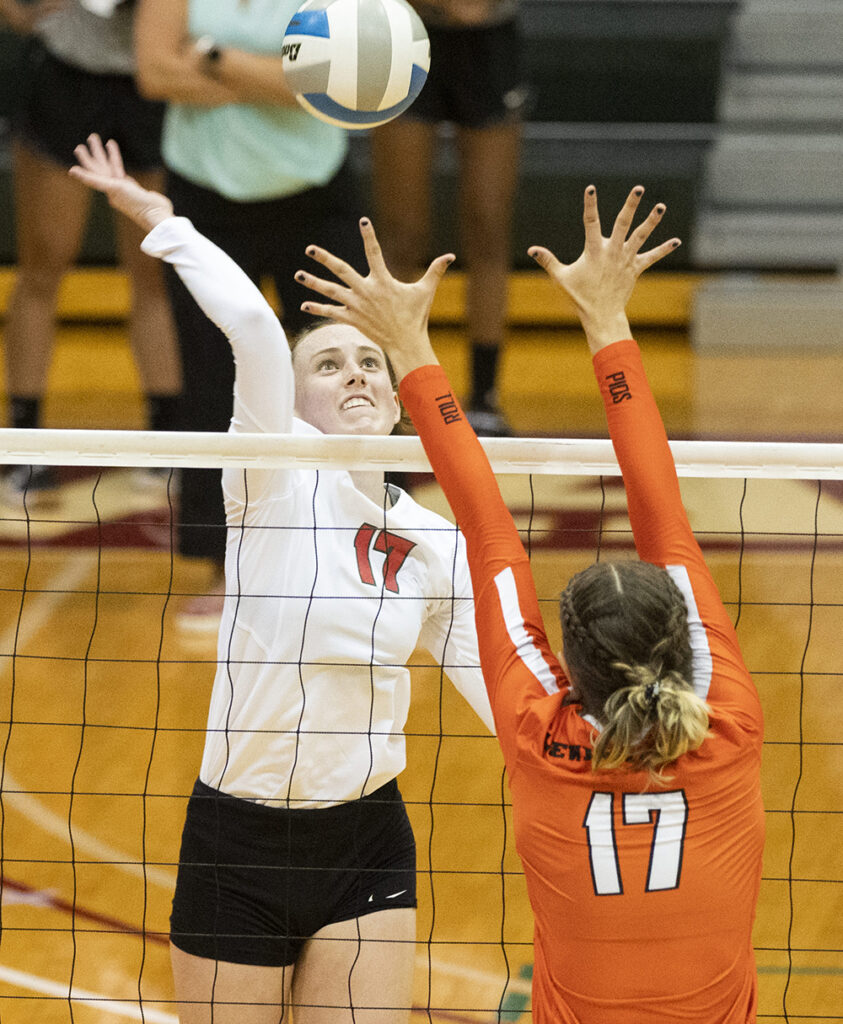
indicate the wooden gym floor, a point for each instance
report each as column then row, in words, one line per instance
column 107, row 702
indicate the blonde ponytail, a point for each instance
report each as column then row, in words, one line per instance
column 650, row 722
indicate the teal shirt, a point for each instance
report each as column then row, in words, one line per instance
column 248, row 151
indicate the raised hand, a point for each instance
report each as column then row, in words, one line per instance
column 601, row 281
column 101, row 167
column 389, row 312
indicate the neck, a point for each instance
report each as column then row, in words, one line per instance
column 370, row 483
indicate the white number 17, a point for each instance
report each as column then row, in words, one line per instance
column 667, row 813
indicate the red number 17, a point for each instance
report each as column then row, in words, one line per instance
column 394, row 547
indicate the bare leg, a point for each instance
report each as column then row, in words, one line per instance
column 402, row 163
column 488, row 176
column 151, row 329
column 346, row 977
column 211, row 992
column 51, row 211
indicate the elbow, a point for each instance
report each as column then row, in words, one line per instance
column 256, row 329
column 259, row 322
column 159, row 72
column 151, row 84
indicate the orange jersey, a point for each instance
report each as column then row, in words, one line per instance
column 643, row 896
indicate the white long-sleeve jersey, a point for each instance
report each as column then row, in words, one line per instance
column 328, row 593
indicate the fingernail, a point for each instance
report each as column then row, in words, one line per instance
column 639, row 191
column 660, row 208
column 533, row 253
column 676, row 244
column 300, row 276
column 311, row 251
column 364, row 221
column 590, row 190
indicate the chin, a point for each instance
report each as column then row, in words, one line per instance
column 370, row 423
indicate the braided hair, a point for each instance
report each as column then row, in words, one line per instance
column 627, row 647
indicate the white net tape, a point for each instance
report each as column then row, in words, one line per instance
column 546, row 456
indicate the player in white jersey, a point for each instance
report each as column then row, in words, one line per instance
column 296, row 881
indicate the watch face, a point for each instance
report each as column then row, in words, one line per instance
column 104, row 8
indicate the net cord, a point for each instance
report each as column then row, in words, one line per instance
column 546, row 456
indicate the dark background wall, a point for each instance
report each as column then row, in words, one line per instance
column 698, row 100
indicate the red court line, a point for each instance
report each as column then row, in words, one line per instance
column 48, row 899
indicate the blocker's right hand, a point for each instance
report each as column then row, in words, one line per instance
column 101, row 167
column 390, row 312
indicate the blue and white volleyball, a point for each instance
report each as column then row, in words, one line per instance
column 356, row 63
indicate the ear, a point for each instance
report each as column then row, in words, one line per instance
column 397, row 415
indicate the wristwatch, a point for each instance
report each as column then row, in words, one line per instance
column 209, row 53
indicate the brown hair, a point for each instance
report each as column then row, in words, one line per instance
column 627, row 647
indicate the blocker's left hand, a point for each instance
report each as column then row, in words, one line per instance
column 602, row 279
column 388, row 311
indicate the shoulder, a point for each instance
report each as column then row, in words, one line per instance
column 413, row 511
column 438, row 534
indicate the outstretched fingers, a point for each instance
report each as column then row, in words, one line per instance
column 591, row 219
column 115, row 158
column 325, row 311
column 545, row 258
column 103, row 162
column 372, row 247
column 623, row 221
column 330, row 289
column 339, row 268
column 659, row 252
column 647, row 226
column 436, row 271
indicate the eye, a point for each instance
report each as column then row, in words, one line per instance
column 371, row 363
column 326, row 364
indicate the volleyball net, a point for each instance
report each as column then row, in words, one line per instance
column 104, row 709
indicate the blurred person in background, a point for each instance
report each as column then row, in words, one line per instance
column 476, row 84
column 78, row 78
column 258, row 176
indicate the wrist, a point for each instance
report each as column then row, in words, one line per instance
column 601, row 331
column 210, row 55
column 404, row 362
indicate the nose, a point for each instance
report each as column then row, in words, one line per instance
column 356, row 374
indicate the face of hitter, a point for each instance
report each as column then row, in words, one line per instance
column 343, row 384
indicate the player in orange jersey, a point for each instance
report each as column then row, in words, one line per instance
column 634, row 757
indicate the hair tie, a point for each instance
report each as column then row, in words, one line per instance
column 651, row 692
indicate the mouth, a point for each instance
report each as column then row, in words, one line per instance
column 356, row 402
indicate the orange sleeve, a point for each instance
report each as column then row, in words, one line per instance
column 514, row 652
column 660, row 524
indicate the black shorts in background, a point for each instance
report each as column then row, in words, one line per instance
column 61, row 105
column 475, row 78
column 256, row 882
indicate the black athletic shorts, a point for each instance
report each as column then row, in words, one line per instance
column 475, row 77
column 255, row 882
column 61, row 105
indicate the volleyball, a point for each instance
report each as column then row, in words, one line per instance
column 356, row 63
